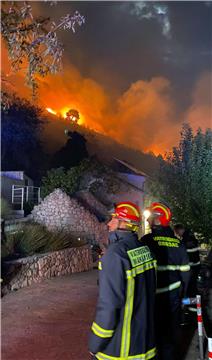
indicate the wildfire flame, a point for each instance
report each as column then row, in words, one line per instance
column 51, row 111
column 62, row 112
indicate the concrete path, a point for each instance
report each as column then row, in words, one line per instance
column 51, row 320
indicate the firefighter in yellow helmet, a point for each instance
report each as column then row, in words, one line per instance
column 173, row 272
column 124, row 322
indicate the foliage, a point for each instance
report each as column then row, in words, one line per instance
column 7, row 247
column 184, row 181
column 5, row 208
column 21, row 128
column 28, row 207
column 32, row 41
column 73, row 115
column 34, row 239
column 72, row 153
column 90, row 175
column 67, row 181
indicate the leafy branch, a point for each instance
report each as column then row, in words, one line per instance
column 32, row 42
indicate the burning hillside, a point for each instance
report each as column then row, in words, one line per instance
column 102, row 146
column 71, row 115
column 138, row 117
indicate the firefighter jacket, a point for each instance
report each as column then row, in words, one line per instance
column 173, row 270
column 124, row 323
column 192, row 248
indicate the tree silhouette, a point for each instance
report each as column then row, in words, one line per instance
column 184, row 180
column 72, row 153
column 21, row 148
column 73, row 115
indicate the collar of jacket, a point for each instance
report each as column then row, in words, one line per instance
column 122, row 235
column 162, row 230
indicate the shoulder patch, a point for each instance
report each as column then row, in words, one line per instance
column 139, row 255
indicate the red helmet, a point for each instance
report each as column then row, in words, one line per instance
column 162, row 212
column 127, row 211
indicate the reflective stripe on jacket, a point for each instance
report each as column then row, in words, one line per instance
column 192, row 248
column 124, row 323
column 173, row 268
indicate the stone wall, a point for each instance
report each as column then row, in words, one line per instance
column 35, row 268
column 124, row 192
column 59, row 212
column 89, row 201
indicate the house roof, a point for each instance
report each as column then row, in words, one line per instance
column 17, row 175
column 131, row 167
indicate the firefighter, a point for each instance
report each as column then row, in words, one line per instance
column 124, row 322
column 192, row 248
column 173, row 273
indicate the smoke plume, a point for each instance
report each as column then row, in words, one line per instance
column 144, row 117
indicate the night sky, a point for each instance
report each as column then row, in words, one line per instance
column 135, row 70
column 120, row 43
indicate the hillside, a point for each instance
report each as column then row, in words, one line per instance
column 104, row 147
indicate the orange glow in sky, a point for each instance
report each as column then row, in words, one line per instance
column 137, row 118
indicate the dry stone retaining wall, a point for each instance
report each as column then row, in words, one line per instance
column 59, row 212
column 35, row 268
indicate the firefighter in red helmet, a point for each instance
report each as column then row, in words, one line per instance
column 173, row 272
column 159, row 213
column 127, row 286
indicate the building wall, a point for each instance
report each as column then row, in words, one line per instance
column 28, row 181
column 128, row 194
column 10, row 178
column 6, row 187
column 135, row 180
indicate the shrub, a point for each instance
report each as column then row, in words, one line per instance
column 67, row 181
column 7, row 248
column 5, row 208
column 34, row 239
column 76, row 178
column 28, row 207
